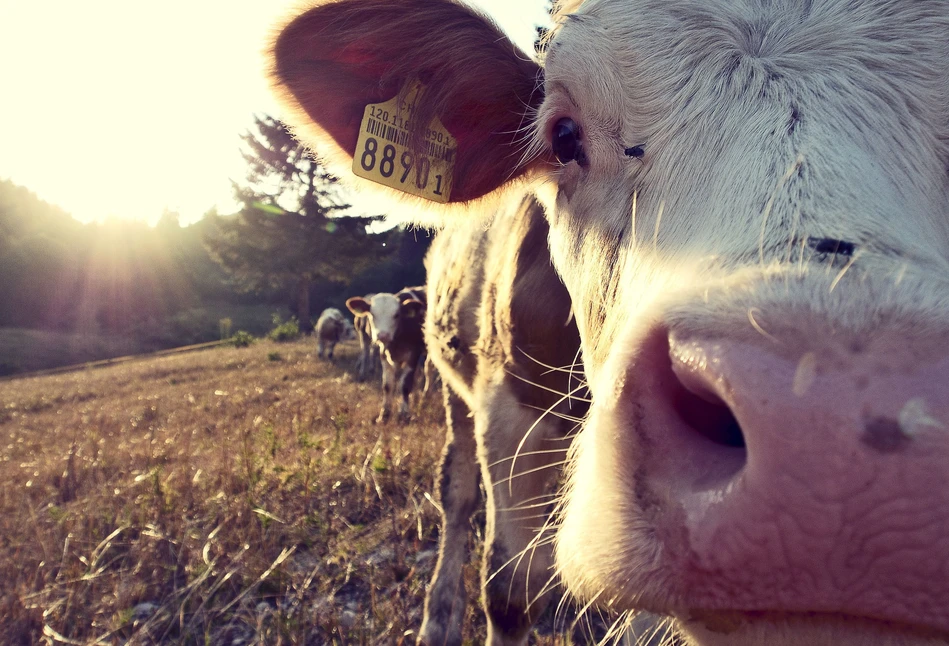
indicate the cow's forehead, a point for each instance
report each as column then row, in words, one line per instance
column 625, row 38
column 384, row 306
column 710, row 86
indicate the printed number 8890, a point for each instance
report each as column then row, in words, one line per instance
column 407, row 161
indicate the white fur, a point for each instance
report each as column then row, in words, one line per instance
column 384, row 317
column 724, row 199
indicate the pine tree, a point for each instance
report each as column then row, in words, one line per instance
column 290, row 231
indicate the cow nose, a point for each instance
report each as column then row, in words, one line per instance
column 772, row 403
column 811, row 475
column 385, row 337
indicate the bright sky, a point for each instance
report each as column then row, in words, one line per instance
column 123, row 108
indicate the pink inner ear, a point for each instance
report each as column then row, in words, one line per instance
column 357, row 305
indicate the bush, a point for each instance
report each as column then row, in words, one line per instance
column 288, row 330
column 241, row 339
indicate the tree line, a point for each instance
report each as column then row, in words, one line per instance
column 290, row 247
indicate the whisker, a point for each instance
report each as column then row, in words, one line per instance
column 530, row 430
column 800, row 264
column 758, row 328
column 632, row 219
column 618, row 628
column 655, row 233
column 547, row 496
column 528, row 453
column 580, row 380
column 550, row 584
column 769, row 206
column 511, row 560
column 793, row 236
column 563, row 416
column 567, row 368
column 537, row 421
column 586, row 609
column 544, row 536
column 843, row 271
column 519, row 474
column 552, row 390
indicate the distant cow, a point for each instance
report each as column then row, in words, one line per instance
column 395, row 325
column 748, row 204
column 330, row 330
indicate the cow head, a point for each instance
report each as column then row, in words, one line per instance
column 385, row 312
column 749, row 206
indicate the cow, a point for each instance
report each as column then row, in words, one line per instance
column 748, row 204
column 395, row 324
column 330, row 330
column 507, row 362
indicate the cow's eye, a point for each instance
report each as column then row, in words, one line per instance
column 565, row 141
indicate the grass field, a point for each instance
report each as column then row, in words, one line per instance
column 229, row 496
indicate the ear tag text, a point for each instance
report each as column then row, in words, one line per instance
column 384, row 154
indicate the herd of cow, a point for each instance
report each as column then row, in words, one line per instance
column 689, row 303
column 389, row 330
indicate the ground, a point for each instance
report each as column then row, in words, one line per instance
column 227, row 496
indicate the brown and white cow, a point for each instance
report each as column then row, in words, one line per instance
column 749, row 205
column 500, row 332
column 330, row 330
column 395, row 325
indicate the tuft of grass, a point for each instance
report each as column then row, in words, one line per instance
column 284, row 331
column 241, row 339
column 274, row 356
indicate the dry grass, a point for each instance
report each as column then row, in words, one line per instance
column 231, row 496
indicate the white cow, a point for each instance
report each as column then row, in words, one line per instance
column 749, row 206
column 330, row 330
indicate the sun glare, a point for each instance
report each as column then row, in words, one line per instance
column 123, row 109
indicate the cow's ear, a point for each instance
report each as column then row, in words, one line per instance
column 339, row 56
column 412, row 308
column 358, row 305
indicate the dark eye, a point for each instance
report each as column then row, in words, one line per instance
column 565, row 141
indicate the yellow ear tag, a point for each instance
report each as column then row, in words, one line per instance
column 383, row 154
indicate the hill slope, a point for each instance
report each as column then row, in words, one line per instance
column 226, row 496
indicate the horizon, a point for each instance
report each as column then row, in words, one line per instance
column 154, row 115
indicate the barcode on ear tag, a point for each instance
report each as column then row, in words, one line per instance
column 384, row 154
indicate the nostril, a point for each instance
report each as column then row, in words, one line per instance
column 708, row 415
column 689, row 422
column 695, row 401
